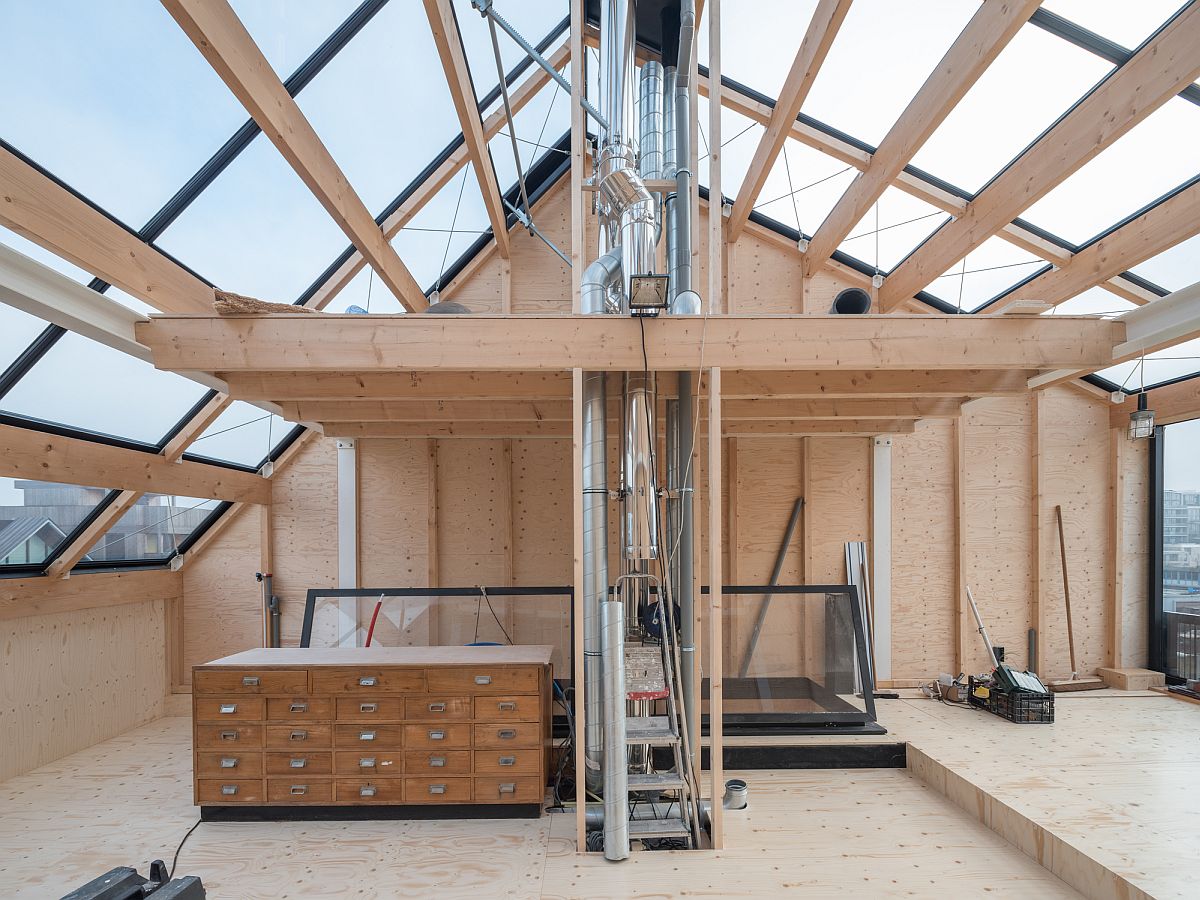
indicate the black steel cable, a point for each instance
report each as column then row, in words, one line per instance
column 175, row 858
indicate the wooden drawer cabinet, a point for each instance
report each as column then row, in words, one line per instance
column 439, row 726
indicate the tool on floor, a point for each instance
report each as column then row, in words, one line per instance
column 1074, row 683
column 1017, row 696
column 124, row 883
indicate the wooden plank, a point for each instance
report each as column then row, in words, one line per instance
column 402, row 343
column 822, row 28
column 448, row 40
column 578, row 141
column 1176, row 402
column 977, row 46
column 429, row 385
column 219, row 35
column 715, row 601
column 867, row 383
column 717, row 299
column 558, row 430
column 40, row 209
column 20, row 597
column 49, row 457
column 1116, row 535
column 1151, row 77
column 577, row 611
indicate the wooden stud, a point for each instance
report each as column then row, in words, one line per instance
column 577, row 612
column 716, row 743
column 1116, row 537
column 1037, row 612
column 38, row 596
column 578, row 139
column 962, row 624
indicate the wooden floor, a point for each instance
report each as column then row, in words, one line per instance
column 1107, row 793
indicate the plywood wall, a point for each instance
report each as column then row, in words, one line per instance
column 1132, row 464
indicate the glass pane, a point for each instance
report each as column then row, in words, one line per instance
column 803, row 186
column 36, row 516
column 1127, row 24
column 411, row 117
column 35, row 251
column 1181, row 548
column 533, row 20
column 540, row 123
column 753, row 54
column 881, row 56
column 151, row 529
column 87, row 385
column 111, row 97
column 739, row 139
column 1175, row 268
column 1031, row 83
column 257, row 229
column 17, row 331
column 1095, row 301
column 892, row 229
column 1150, row 160
column 988, row 270
column 242, row 435
column 288, row 31
column 1162, row 365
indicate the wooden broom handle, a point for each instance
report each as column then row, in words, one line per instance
column 1062, row 552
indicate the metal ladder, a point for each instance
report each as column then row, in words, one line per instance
column 665, row 731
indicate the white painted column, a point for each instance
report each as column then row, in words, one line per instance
column 347, row 540
column 881, row 555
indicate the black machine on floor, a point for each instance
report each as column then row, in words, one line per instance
column 124, row 883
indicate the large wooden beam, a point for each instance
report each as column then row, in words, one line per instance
column 20, row 597
column 559, row 429
column 818, row 38
column 448, row 40
column 1176, row 402
column 994, row 24
column 42, row 210
column 25, row 453
column 1151, row 77
column 875, row 383
column 217, row 32
column 430, row 385
column 1159, row 228
column 495, row 343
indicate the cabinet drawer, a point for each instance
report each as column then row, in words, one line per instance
column 231, row 764
column 362, row 680
column 481, row 680
column 286, row 737
column 515, row 734
column 219, row 737
column 437, row 790
column 356, row 737
column 518, row 789
column 368, row 763
column 437, row 762
column 231, row 790
column 527, row 708
column 299, row 762
column 370, row 709
column 525, row 762
column 363, row 790
column 299, row 709
column 418, row 737
column 250, row 681
column 228, row 709
column 437, row 709
column 298, row 790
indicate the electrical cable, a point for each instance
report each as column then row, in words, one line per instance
column 175, row 858
column 450, row 237
column 374, row 617
column 484, row 595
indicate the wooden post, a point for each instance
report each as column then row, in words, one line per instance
column 716, row 744
column 962, row 629
column 1116, row 583
column 716, row 218
column 577, row 601
column 1037, row 613
column 578, row 137
column 433, row 560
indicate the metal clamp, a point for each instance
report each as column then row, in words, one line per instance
column 299, row 789
column 229, row 735
column 298, row 707
column 368, row 681
column 508, row 760
column 368, row 707
column 366, row 735
column 367, row 790
column 437, row 789
column 437, row 735
column 250, row 680
column 437, row 707
column 229, row 789
column 508, row 788
column 229, row 762
column 367, row 762
column 506, row 734
column 483, row 679
column 298, row 736
column 228, row 709
column 437, row 761
column 507, row 706
column 298, row 762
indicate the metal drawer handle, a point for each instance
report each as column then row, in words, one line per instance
column 298, row 707
column 229, row 789
column 228, row 708
column 508, row 788
column 508, row 760
column 367, row 762
column 250, row 680
column 507, row 706
column 483, row 679
column 368, row 681
column 299, row 788
column 298, row 736
column 368, row 707
column 437, row 789
column 298, row 762
column 229, row 735
column 437, row 735
column 367, row 790
column 437, row 707
column 229, row 762
column 366, row 735
column 437, row 761
column 506, row 734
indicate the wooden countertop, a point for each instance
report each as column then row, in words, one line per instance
column 521, row 654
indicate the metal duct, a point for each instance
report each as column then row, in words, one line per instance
column 595, row 569
column 639, row 485
column 600, row 284
column 851, row 302
column 616, row 773
column 650, row 120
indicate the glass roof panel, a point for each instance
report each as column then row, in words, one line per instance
column 533, row 20
column 988, row 270
column 35, row 251
column 256, row 230
column 17, row 331
column 739, row 139
column 1154, row 157
column 382, row 137
column 1033, row 81
column 83, row 384
column 243, row 435
column 1127, row 24
column 1162, row 365
column 881, row 56
column 892, row 229
column 1096, row 301
column 803, row 186
column 152, row 529
column 37, row 516
column 541, row 122
column 288, row 31
column 757, row 56
column 1175, row 268
column 113, row 98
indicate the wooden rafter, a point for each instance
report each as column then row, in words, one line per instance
column 818, row 38
column 1151, row 77
column 215, row 29
column 562, row 430
column 994, row 24
column 1171, row 403
column 448, row 40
